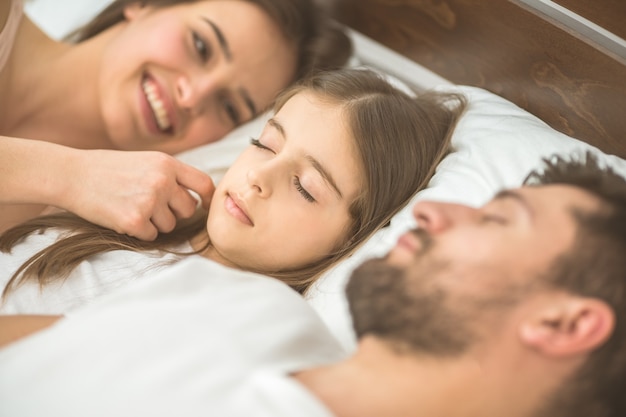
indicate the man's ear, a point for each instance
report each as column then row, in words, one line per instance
column 570, row 326
column 134, row 10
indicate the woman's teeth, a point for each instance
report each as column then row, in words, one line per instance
column 158, row 109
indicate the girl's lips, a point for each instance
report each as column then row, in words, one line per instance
column 235, row 207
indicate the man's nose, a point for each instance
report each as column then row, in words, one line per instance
column 436, row 217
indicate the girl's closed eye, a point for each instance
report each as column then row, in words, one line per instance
column 258, row 144
column 201, row 47
column 296, row 180
column 307, row 196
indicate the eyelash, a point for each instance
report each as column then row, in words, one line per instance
column 232, row 112
column 308, row 197
column 296, row 181
column 201, row 47
column 258, row 144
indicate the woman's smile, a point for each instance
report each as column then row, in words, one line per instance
column 156, row 106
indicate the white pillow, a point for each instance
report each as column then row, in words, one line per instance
column 59, row 18
column 496, row 145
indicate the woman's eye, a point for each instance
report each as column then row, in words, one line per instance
column 258, row 144
column 201, row 47
column 308, row 197
column 232, row 112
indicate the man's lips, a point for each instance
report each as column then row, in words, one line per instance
column 236, row 207
column 406, row 249
column 409, row 242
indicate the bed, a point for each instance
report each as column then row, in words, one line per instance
column 542, row 77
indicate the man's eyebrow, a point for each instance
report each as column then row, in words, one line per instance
column 225, row 47
column 316, row 164
column 515, row 196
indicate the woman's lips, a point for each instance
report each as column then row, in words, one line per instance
column 155, row 108
column 234, row 206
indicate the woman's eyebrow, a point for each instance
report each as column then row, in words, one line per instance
column 314, row 162
column 225, row 48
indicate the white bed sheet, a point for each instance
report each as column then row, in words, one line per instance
column 496, row 142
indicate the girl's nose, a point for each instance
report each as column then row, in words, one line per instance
column 259, row 180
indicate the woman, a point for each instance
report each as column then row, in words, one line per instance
column 342, row 154
column 153, row 75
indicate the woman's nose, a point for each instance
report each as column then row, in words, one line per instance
column 437, row 217
column 194, row 91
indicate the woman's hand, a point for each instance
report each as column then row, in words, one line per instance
column 136, row 193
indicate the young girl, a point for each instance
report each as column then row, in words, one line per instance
column 342, row 154
column 160, row 75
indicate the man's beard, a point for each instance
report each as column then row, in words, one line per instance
column 410, row 314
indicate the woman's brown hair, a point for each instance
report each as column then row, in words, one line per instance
column 321, row 43
column 399, row 139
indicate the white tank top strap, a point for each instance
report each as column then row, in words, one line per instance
column 7, row 36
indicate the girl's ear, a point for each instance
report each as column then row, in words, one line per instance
column 134, row 10
column 572, row 326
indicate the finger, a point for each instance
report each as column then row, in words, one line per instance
column 129, row 222
column 207, row 197
column 197, row 181
column 140, row 227
column 163, row 219
column 182, row 203
column 148, row 233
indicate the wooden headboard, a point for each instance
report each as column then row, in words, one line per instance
column 565, row 62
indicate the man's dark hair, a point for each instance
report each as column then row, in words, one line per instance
column 595, row 266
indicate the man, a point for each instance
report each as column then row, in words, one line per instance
column 517, row 308
column 514, row 309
